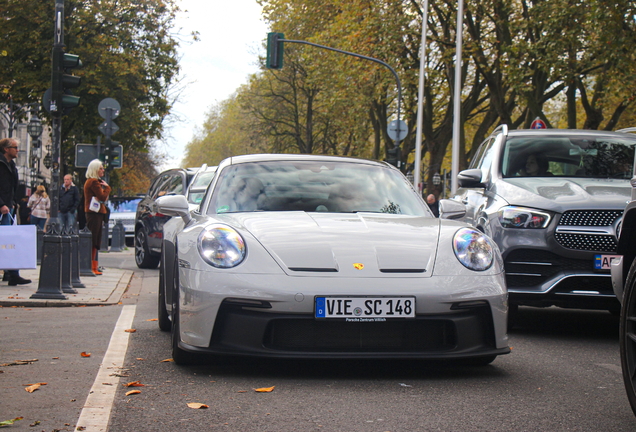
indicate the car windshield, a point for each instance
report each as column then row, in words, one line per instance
column 574, row 156
column 123, row 206
column 314, row 186
column 198, row 186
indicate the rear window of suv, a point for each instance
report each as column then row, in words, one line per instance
column 574, row 156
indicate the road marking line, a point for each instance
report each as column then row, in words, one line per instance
column 96, row 411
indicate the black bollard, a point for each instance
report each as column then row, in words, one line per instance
column 115, row 243
column 67, row 288
column 104, row 247
column 50, row 284
column 40, row 235
column 75, row 260
column 85, row 251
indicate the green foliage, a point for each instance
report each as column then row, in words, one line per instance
column 128, row 51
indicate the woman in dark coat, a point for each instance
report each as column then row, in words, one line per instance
column 98, row 188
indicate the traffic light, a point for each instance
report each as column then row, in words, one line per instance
column 112, row 155
column 275, row 50
column 393, row 156
column 68, row 81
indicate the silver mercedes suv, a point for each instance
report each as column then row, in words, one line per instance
column 553, row 202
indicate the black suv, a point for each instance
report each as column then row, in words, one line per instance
column 553, row 202
column 149, row 222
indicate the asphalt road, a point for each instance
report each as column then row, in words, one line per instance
column 563, row 375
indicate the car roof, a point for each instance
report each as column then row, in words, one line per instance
column 566, row 132
column 234, row 160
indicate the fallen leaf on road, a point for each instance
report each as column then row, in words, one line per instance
column 166, row 360
column 35, row 423
column 10, row 422
column 196, row 405
column 242, row 391
column 85, row 354
column 133, row 384
column 153, row 319
column 33, row 387
column 264, row 389
column 132, row 392
column 130, row 330
column 140, row 359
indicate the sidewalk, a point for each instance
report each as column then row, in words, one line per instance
column 103, row 290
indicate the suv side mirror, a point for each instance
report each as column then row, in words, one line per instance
column 451, row 209
column 470, row 178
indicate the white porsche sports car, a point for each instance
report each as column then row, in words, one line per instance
column 304, row 256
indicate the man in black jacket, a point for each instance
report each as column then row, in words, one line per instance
column 69, row 200
column 8, row 192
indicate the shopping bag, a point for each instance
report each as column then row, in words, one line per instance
column 94, row 205
column 18, row 246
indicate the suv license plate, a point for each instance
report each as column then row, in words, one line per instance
column 365, row 307
column 603, row 262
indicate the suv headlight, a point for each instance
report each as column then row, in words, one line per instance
column 221, row 246
column 473, row 249
column 522, row 217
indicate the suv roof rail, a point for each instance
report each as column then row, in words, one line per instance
column 629, row 129
column 501, row 128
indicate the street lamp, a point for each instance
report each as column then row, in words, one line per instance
column 34, row 129
column 47, row 158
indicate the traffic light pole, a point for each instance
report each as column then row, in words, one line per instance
column 50, row 283
column 397, row 79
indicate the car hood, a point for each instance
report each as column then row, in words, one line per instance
column 349, row 244
column 560, row 194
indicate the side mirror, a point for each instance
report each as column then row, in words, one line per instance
column 451, row 209
column 470, row 178
column 174, row 205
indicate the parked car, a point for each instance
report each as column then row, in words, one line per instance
column 123, row 209
column 199, row 184
column 624, row 284
column 553, row 201
column 301, row 256
column 149, row 222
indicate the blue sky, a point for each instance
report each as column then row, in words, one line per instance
column 231, row 33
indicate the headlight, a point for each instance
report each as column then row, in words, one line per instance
column 521, row 217
column 221, row 246
column 473, row 249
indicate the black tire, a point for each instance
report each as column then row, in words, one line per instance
column 513, row 315
column 180, row 356
column 162, row 313
column 627, row 336
column 142, row 255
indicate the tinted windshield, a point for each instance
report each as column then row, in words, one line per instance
column 337, row 187
column 575, row 156
column 124, row 206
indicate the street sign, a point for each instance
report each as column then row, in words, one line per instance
column 85, row 153
column 392, row 130
column 108, row 106
column 103, row 128
column 538, row 124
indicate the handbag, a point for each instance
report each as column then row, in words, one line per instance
column 18, row 246
column 94, row 205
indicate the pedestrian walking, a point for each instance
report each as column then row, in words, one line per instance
column 433, row 204
column 40, row 204
column 8, row 193
column 24, row 211
column 69, row 201
column 95, row 189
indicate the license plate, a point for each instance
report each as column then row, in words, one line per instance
column 603, row 262
column 359, row 308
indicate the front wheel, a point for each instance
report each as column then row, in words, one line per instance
column 142, row 253
column 627, row 336
column 162, row 312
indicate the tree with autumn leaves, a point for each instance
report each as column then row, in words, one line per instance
column 129, row 53
column 568, row 62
